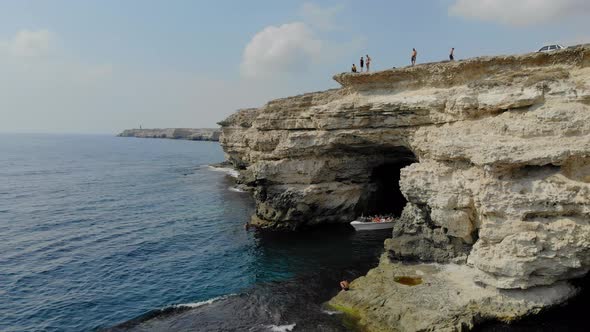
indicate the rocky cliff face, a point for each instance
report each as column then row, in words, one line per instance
column 487, row 162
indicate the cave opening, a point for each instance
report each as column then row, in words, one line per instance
column 383, row 195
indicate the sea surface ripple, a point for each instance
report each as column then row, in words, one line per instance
column 98, row 232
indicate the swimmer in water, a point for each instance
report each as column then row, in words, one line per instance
column 344, row 285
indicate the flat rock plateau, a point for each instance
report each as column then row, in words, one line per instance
column 192, row 134
column 485, row 161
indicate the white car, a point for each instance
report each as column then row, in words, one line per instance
column 551, row 48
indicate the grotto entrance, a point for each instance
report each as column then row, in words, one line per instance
column 383, row 195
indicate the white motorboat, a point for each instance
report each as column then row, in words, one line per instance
column 371, row 225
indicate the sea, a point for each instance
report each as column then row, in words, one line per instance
column 125, row 234
column 100, row 233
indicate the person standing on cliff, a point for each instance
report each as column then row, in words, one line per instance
column 414, row 55
column 368, row 62
column 452, row 54
column 362, row 64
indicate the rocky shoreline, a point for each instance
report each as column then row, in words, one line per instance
column 485, row 161
column 200, row 134
column 438, row 297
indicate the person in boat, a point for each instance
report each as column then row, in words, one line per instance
column 344, row 285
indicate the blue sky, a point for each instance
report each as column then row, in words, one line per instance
column 102, row 66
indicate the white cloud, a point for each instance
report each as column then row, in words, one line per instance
column 291, row 47
column 320, row 17
column 298, row 46
column 27, row 43
column 64, row 93
column 520, row 12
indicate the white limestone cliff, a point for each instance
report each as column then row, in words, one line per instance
column 492, row 156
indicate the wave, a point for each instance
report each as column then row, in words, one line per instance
column 230, row 171
column 163, row 312
column 202, row 303
column 281, row 328
column 236, row 189
column 331, row 312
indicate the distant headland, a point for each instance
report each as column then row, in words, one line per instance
column 192, row 134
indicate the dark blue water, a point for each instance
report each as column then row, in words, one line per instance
column 98, row 232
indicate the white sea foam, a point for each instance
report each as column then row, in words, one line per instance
column 281, row 328
column 236, row 189
column 330, row 312
column 202, row 303
column 232, row 172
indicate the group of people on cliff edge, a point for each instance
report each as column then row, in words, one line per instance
column 362, row 62
column 412, row 60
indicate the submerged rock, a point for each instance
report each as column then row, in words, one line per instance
column 486, row 161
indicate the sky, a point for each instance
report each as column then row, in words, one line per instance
column 83, row 66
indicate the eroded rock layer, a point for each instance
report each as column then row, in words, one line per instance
column 486, row 161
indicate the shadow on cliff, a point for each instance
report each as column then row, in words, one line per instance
column 383, row 195
column 570, row 316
